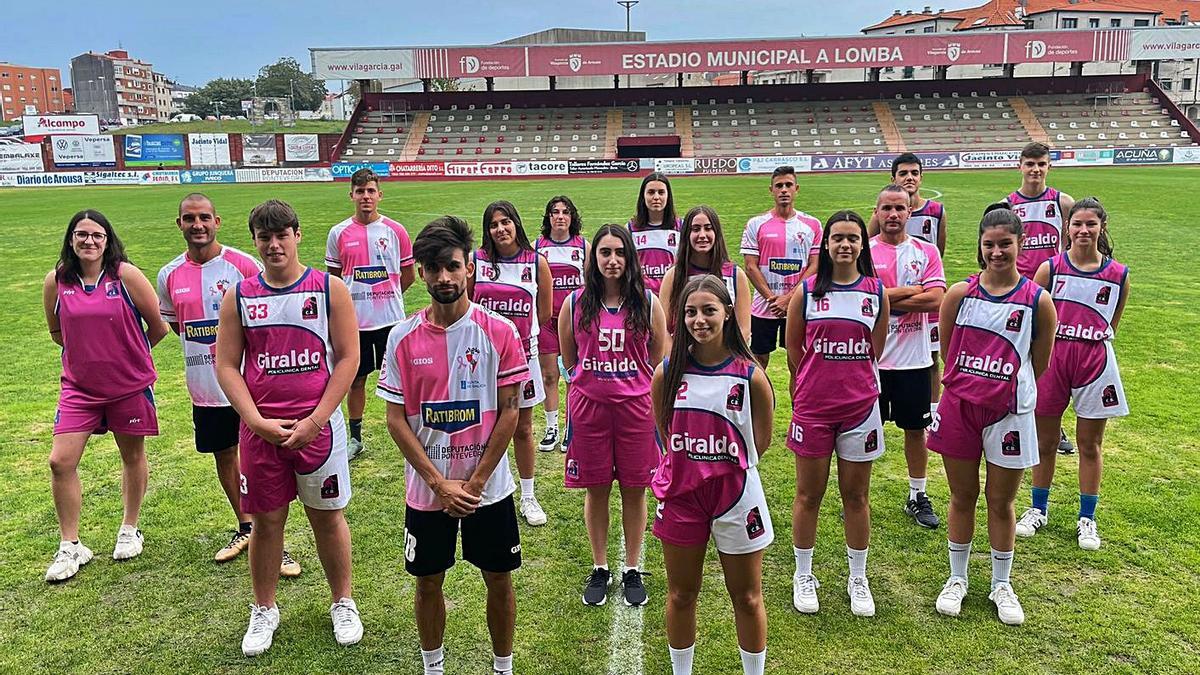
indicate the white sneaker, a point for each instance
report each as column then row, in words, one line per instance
column 67, row 561
column 949, row 601
column 1007, row 604
column 532, row 511
column 1089, row 539
column 804, row 593
column 861, row 602
column 129, row 543
column 1031, row 521
column 261, row 631
column 347, row 627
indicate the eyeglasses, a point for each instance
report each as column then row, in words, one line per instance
column 97, row 237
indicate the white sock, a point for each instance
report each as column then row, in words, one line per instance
column 858, row 561
column 526, row 487
column 600, row 567
column 681, row 660
column 803, row 560
column 933, row 407
column 435, row 661
column 551, row 420
column 502, row 664
column 915, row 485
column 1001, row 566
column 626, row 568
column 753, row 663
column 960, row 554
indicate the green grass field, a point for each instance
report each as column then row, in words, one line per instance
column 236, row 127
column 1133, row 606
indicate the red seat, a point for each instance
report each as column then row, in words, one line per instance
column 479, row 151
column 539, row 127
column 462, row 139
column 499, row 139
column 458, row 151
column 482, row 139
column 445, row 140
column 421, row 151
column 496, row 151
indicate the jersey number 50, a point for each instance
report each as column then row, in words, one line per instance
column 611, row 339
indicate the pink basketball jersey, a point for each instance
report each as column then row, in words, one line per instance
column 656, row 247
column 1086, row 302
column 783, row 248
column 371, row 257
column 566, row 260
column 508, row 287
column 1043, row 219
column 913, row 262
column 729, row 272
column 837, row 371
column 926, row 222
column 614, row 364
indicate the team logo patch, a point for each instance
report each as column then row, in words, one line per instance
column 309, row 309
column 926, row 228
column 451, row 416
column 872, row 442
column 529, row 391
column 469, row 359
column 933, row 334
column 526, row 275
column 1010, row 446
column 671, row 239
column 1050, row 210
column 112, row 289
column 1103, row 295
column 382, row 244
column 868, row 307
column 736, row 398
column 329, row 488
column 754, row 524
column 1109, row 396
column 202, row 332
column 1014, row 320
column 572, row 469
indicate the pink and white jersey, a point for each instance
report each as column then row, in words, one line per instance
column 190, row 294
column 566, row 260
column 288, row 354
column 371, row 257
column 837, row 372
column 926, row 222
column 509, row 288
column 1043, row 219
column 656, row 247
column 729, row 272
column 613, row 364
column 447, row 380
column 783, row 248
column 711, row 434
column 105, row 354
column 990, row 349
column 1086, row 301
column 913, row 262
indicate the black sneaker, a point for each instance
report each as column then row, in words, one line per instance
column 595, row 590
column 633, row 588
column 922, row 511
column 1065, row 446
column 550, row 441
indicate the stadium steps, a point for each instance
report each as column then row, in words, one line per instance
column 887, row 125
column 1028, row 120
column 683, row 124
column 615, row 119
column 413, row 144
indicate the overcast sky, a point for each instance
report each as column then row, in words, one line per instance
column 194, row 42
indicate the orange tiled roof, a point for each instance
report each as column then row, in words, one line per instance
column 1001, row 13
column 915, row 17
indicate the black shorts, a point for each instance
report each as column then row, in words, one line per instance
column 491, row 540
column 216, row 428
column 763, row 334
column 904, row 397
column 372, row 344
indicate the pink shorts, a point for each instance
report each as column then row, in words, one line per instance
column 964, row 430
column 1086, row 372
column 133, row 415
column 548, row 337
column 609, row 441
column 319, row 473
column 858, row 438
column 732, row 510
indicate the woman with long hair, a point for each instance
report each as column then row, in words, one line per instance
column 655, row 229
column 713, row 407
column 103, row 312
column 512, row 280
column 837, row 324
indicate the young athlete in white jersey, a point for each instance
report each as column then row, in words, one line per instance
column 190, row 289
column 612, row 332
column 565, row 249
column 373, row 255
column 514, row 281
column 452, row 378
column 1089, row 289
column 997, row 330
column 713, row 407
column 836, row 331
column 702, row 250
column 911, row 269
column 286, row 353
column 655, row 229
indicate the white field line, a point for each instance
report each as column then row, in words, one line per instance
column 625, row 633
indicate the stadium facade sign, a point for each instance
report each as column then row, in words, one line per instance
column 586, row 167
column 711, row 165
column 301, row 148
column 284, row 175
column 386, row 63
column 1189, row 155
column 89, row 151
column 21, row 158
column 154, row 150
column 480, row 169
column 209, row 150
column 990, row 159
column 542, row 168
column 1142, row 156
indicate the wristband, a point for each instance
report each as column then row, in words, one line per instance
column 566, row 375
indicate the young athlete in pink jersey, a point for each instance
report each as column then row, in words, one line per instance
column 1041, row 210
column 911, row 270
column 836, row 331
column 702, row 250
column 566, row 250
column 1089, row 290
column 512, row 280
column 612, row 332
column 286, row 353
column 452, row 378
column 100, row 309
column 779, row 249
column 373, row 256
column 190, row 289
column 655, row 229
column 713, row 407
column 997, row 330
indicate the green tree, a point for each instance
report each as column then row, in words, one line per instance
column 225, row 94
column 285, row 79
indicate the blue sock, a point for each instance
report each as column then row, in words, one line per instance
column 1087, row 506
column 1041, row 499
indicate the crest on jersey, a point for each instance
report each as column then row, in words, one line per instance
column 526, row 275
column 1103, row 295
column 736, row 398
column 868, row 307
column 572, row 468
column 382, row 244
column 529, row 392
column 1010, row 446
column 754, row 524
column 872, row 442
column 309, row 309
column 1014, row 320
column 1050, row 210
column 469, row 359
column 576, row 255
column 671, row 239
column 112, row 289
column 926, row 228
column 329, row 488
column 1109, row 396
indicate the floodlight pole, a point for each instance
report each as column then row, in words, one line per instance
column 628, row 5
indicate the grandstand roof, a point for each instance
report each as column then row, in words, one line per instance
column 1007, row 13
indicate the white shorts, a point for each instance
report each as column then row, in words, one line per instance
column 735, row 531
column 963, row 430
column 732, row 511
column 533, row 391
column 1086, row 375
column 856, row 439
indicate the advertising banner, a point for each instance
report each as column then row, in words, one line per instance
column 355, row 64
column 207, row 176
column 347, row 169
column 41, row 179
column 990, row 159
column 37, row 126
column 301, row 148
column 1081, row 157
column 1165, row 43
column 709, row 165
column 555, row 168
column 98, row 151
column 416, row 169
column 1142, row 156
column 288, row 175
column 258, row 150
column 675, row 165
column 480, row 169
column 801, row 163
column 880, row 161
column 602, row 166
column 154, row 149
column 21, row 158
column 1189, row 155
column 209, row 149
